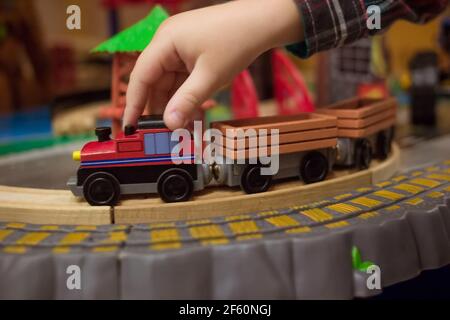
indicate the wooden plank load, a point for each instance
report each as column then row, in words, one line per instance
column 297, row 133
column 360, row 118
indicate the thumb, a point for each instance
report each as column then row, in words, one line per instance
column 198, row 87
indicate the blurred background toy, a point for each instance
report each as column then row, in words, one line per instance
column 57, row 73
column 24, row 64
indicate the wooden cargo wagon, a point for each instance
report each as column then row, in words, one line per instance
column 301, row 146
column 365, row 129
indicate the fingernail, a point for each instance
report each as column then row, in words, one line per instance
column 178, row 119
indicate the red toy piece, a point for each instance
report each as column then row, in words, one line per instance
column 123, row 64
column 63, row 66
column 376, row 90
column 244, row 99
column 291, row 91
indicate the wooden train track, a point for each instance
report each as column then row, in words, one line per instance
column 60, row 207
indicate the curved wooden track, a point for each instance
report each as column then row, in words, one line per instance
column 40, row 206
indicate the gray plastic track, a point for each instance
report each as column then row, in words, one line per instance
column 401, row 225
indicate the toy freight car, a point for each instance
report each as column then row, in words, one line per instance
column 306, row 148
column 365, row 130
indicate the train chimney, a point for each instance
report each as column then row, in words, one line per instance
column 103, row 134
column 129, row 130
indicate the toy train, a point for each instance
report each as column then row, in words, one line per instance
column 142, row 160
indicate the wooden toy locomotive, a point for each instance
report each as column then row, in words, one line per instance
column 138, row 161
column 143, row 160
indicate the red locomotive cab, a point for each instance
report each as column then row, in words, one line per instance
column 140, row 160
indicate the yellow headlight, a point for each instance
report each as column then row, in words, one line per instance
column 76, row 155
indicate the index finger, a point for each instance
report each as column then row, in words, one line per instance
column 146, row 72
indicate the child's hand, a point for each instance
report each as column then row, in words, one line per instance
column 196, row 53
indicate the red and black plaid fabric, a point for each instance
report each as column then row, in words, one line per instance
column 333, row 23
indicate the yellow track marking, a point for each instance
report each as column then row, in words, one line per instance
column 32, row 238
column 432, row 169
column 393, row 208
column 368, row 215
column 49, row 228
column 388, row 195
column 164, row 235
column 86, row 228
column 283, row 221
column 409, row 188
column 447, row 189
column 366, row 202
column 445, row 177
column 15, row 225
column 435, row 195
column 343, row 196
column 203, row 232
column 384, row 184
column 74, row 238
column 417, row 173
column 339, row 224
column 116, row 236
column 242, row 227
column 343, row 208
column 15, row 249
column 400, row 178
column 414, row 202
column 364, row 189
column 317, row 215
column 298, row 230
column 426, row 182
column 5, row 233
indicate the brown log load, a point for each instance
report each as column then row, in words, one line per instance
column 297, row 133
column 360, row 118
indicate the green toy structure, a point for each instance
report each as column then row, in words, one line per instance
column 137, row 37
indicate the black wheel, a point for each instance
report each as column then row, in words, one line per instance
column 363, row 154
column 314, row 167
column 252, row 181
column 101, row 189
column 175, row 186
column 383, row 144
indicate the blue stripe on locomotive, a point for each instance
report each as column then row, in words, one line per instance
column 135, row 160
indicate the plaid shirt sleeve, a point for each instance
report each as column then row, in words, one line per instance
column 334, row 23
